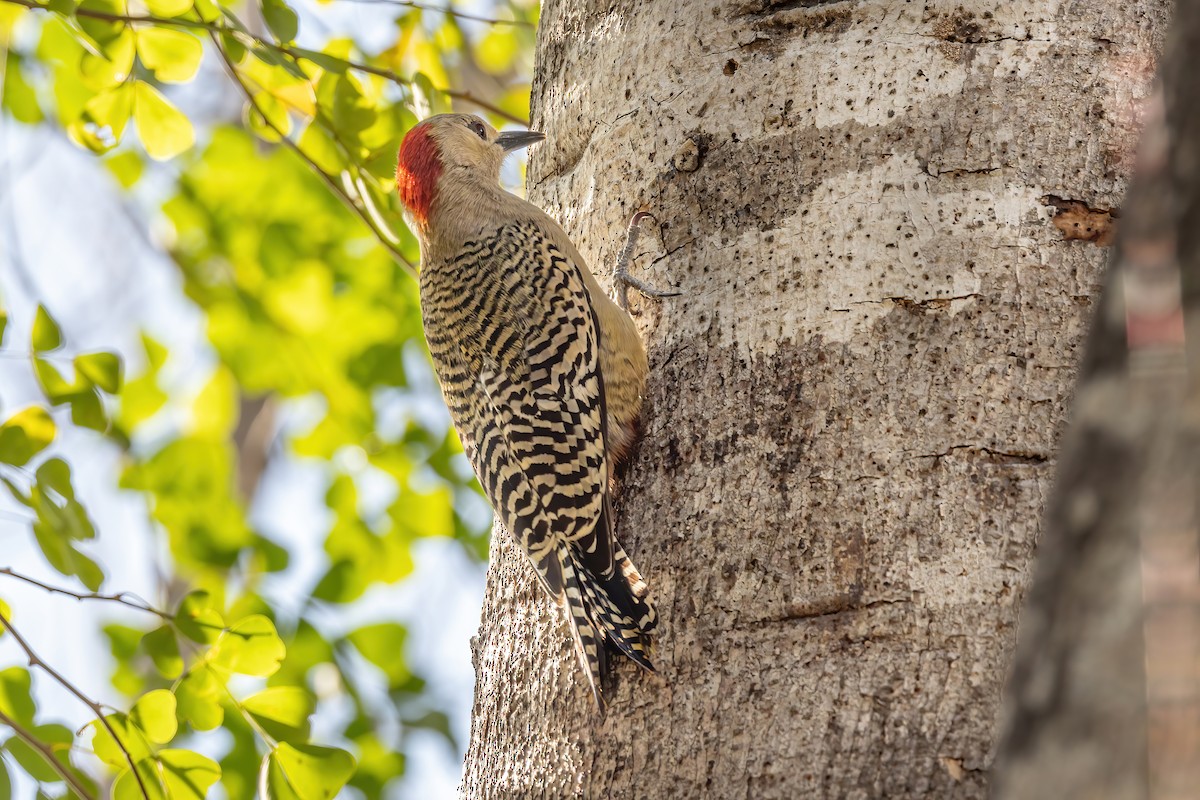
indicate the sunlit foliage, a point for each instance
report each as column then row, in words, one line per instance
column 288, row 238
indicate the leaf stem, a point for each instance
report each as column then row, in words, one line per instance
column 452, row 12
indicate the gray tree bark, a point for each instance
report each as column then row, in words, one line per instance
column 886, row 217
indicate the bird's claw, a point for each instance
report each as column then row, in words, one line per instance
column 621, row 276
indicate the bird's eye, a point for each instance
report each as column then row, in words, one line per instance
column 477, row 126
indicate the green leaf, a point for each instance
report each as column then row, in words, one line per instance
column 19, row 97
column 5, row 782
column 56, row 388
column 57, row 737
column 16, row 699
column 234, row 48
column 87, row 411
column 282, row 711
column 163, row 648
column 25, row 434
column 307, row 772
column 280, row 19
column 173, row 55
column 46, row 335
column 251, row 646
column 168, row 8
column 165, row 130
column 323, row 60
column 317, row 144
column 102, row 31
column 197, row 619
column 188, row 775
column 6, row 613
column 383, row 646
column 102, row 369
column 198, row 697
column 3, row 323
column 154, row 713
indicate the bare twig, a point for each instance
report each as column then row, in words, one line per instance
column 36, row 662
column 452, row 12
column 213, row 27
column 124, row 598
column 37, row 744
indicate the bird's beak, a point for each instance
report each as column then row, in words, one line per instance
column 515, row 140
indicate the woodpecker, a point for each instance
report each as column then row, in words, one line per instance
column 542, row 372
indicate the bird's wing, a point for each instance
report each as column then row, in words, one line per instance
column 517, row 350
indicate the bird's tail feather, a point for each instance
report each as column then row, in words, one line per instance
column 606, row 612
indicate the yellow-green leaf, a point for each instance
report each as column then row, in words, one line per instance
column 188, row 775
column 282, row 711
column 250, row 647
column 154, row 713
column 102, row 369
column 127, row 787
column 46, row 333
column 383, row 645
column 307, row 771
column 109, row 111
column 164, row 130
column 126, row 167
column 168, row 8
column 199, row 698
column 197, row 619
column 174, row 55
column 112, row 65
column 25, row 434
column 163, row 650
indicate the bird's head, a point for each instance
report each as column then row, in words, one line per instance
column 448, row 144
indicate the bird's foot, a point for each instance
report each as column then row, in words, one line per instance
column 621, row 277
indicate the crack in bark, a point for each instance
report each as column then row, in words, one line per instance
column 1010, row 456
column 911, row 305
column 832, row 609
column 765, row 8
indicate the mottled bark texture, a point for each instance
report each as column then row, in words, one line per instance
column 1105, row 696
column 853, row 411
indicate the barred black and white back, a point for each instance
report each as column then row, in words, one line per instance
column 516, row 347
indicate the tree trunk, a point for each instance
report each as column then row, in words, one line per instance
column 886, row 219
column 1105, row 696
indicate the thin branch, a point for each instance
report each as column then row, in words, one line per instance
column 37, row 744
column 212, row 27
column 452, row 12
column 124, row 598
column 333, row 186
column 97, row 709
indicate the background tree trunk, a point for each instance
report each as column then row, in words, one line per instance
column 1105, row 696
column 885, row 216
